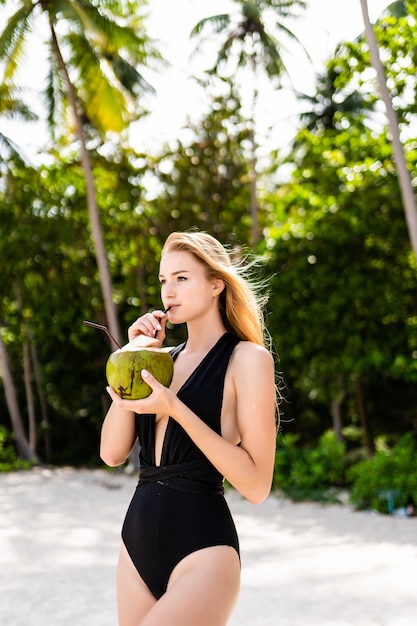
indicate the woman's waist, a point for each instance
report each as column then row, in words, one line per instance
column 195, row 476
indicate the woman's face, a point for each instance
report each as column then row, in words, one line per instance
column 185, row 288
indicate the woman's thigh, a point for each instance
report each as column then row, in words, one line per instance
column 203, row 589
column 134, row 600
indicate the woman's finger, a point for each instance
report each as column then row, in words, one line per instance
column 148, row 325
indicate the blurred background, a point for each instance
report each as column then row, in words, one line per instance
column 284, row 128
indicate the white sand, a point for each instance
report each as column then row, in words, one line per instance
column 303, row 564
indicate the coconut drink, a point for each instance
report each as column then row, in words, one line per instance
column 124, row 366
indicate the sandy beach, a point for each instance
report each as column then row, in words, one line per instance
column 303, row 564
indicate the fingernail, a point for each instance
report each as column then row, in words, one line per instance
column 158, row 327
column 144, row 373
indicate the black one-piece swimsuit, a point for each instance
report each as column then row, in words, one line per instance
column 179, row 506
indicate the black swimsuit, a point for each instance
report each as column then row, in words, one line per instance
column 179, row 506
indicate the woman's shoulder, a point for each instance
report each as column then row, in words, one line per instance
column 250, row 352
column 252, row 370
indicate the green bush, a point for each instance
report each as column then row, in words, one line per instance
column 312, row 474
column 9, row 459
column 388, row 479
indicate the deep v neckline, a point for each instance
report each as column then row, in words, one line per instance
column 184, row 384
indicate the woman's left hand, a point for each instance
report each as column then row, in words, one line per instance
column 161, row 399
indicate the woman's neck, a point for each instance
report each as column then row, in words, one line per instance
column 204, row 334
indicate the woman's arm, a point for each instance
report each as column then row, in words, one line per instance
column 248, row 467
column 118, row 436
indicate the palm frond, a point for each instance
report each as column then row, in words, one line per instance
column 12, row 104
column 104, row 104
column 397, row 9
column 61, row 9
column 271, row 54
column 284, row 8
column 55, row 95
column 117, row 43
column 128, row 76
column 102, row 49
column 214, row 24
column 329, row 102
column 12, row 40
column 251, row 26
column 109, row 36
column 282, row 28
column 8, row 148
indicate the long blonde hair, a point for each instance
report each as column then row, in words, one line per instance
column 241, row 301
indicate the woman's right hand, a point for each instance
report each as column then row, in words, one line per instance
column 150, row 325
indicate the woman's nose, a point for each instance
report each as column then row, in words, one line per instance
column 169, row 289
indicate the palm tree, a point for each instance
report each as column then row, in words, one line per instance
column 249, row 43
column 13, row 106
column 94, row 52
column 328, row 102
column 406, row 186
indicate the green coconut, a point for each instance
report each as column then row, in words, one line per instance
column 123, row 368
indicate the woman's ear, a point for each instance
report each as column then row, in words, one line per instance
column 218, row 286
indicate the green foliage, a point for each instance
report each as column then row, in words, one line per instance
column 310, row 474
column 346, row 278
column 345, row 284
column 397, row 40
column 389, row 472
column 205, row 183
column 9, row 459
column 47, row 254
column 102, row 48
column 343, row 296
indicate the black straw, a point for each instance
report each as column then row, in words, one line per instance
column 104, row 329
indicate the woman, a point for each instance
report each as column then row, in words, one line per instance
column 179, row 561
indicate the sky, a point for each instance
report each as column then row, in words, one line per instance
column 326, row 23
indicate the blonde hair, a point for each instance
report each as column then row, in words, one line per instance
column 241, row 302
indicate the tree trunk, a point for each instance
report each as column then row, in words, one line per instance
column 96, row 232
column 336, row 410
column 254, row 162
column 30, row 405
column 24, row 450
column 367, row 439
column 141, row 287
column 37, row 370
column 29, row 394
column 254, row 192
column 406, row 187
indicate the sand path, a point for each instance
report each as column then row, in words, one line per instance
column 303, row 564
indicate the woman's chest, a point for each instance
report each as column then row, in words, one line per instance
column 184, row 367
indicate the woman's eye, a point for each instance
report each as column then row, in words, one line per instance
column 163, row 281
